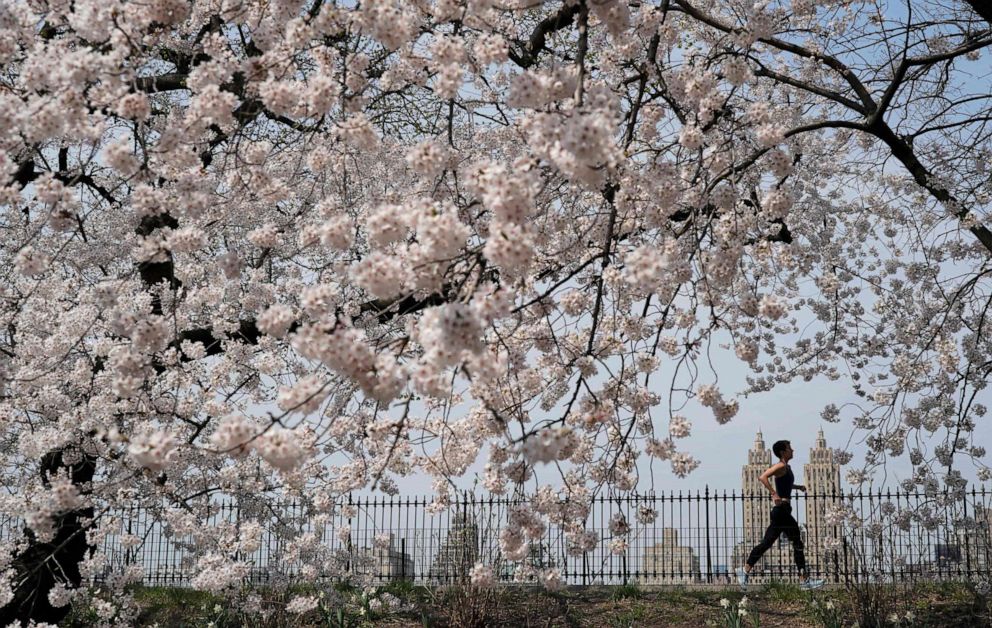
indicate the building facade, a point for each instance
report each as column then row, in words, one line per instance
column 458, row 552
column 975, row 543
column 822, row 478
column 390, row 563
column 668, row 562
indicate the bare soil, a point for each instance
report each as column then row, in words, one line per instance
column 773, row 606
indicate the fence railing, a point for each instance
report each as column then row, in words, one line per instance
column 694, row 537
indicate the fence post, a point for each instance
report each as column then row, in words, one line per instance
column 709, row 558
column 847, row 572
column 350, row 562
column 836, row 533
column 967, row 534
column 585, row 567
column 623, row 562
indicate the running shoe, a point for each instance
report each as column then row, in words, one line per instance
column 742, row 577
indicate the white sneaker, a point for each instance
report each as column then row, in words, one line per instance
column 811, row 584
column 742, row 577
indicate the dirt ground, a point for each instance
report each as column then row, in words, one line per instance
column 405, row 605
column 772, row 607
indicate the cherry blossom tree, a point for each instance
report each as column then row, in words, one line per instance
column 258, row 250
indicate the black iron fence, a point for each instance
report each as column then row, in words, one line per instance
column 684, row 537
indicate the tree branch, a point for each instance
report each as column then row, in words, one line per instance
column 538, row 38
column 902, row 151
column 831, row 62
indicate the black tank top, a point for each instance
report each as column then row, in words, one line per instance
column 783, row 485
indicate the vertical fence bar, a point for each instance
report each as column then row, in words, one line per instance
column 709, row 554
column 967, row 534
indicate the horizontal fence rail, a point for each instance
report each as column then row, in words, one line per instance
column 693, row 538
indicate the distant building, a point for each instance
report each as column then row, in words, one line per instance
column 667, row 562
column 383, row 563
column 721, row 574
column 539, row 557
column 458, row 552
column 821, row 476
column 947, row 553
column 970, row 549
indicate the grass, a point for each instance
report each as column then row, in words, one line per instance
column 169, row 606
column 406, row 590
column 625, row 592
column 162, row 599
column 783, row 592
column 628, row 618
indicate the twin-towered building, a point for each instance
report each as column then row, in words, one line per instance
column 703, row 538
column 679, row 556
column 821, row 476
column 737, row 524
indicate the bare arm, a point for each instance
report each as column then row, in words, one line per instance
column 765, row 479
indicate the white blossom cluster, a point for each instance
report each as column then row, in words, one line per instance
column 771, row 307
column 549, row 445
column 481, row 575
column 217, row 573
column 523, row 525
column 153, row 450
column 711, row 397
column 428, row 158
column 302, row 604
column 736, row 71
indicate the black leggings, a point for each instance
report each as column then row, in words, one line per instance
column 782, row 523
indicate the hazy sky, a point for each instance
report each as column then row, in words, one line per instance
column 789, row 412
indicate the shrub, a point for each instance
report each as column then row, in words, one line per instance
column 626, row 591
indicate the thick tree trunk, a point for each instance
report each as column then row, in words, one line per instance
column 42, row 565
column 983, row 8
